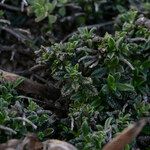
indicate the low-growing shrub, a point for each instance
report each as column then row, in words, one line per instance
column 104, row 78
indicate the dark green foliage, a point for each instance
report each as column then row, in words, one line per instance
column 22, row 115
column 103, row 79
column 103, row 74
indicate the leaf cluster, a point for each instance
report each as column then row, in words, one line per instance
column 20, row 115
column 102, row 75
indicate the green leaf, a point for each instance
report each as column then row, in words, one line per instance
column 124, row 87
column 75, row 85
column 1, row 13
column 127, row 147
column 49, row 7
column 66, row 89
column 111, row 82
column 98, row 73
column 63, row 1
column 91, row 90
column 110, row 42
column 110, row 79
column 62, row 11
column 146, row 64
column 119, row 43
column 41, row 135
column 76, row 97
column 85, row 128
column 117, row 76
column 110, row 55
column 107, row 123
column 18, row 82
column 32, row 105
column 105, row 89
column 48, row 131
column 121, row 9
column 52, row 19
column 41, row 17
column 2, row 117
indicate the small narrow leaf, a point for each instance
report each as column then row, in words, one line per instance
column 107, row 123
column 85, row 128
column 52, row 19
column 111, row 82
column 124, row 87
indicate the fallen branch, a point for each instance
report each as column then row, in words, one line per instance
column 31, row 87
column 7, row 129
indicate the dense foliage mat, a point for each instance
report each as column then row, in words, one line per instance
column 95, row 52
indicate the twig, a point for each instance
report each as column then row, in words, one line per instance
column 138, row 39
column 13, row 55
column 13, row 8
column 40, row 79
column 10, row 48
column 128, row 63
column 97, row 26
column 2, row 1
column 6, row 48
column 40, row 112
column 7, row 129
column 73, row 6
column 9, row 7
column 37, row 67
column 19, row 36
column 25, row 31
column 5, row 21
column 23, row 4
column 72, row 123
column 69, row 18
column 26, row 120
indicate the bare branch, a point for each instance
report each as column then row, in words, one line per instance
column 26, row 120
column 7, row 129
column 9, row 7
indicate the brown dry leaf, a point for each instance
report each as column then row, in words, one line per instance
column 126, row 136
